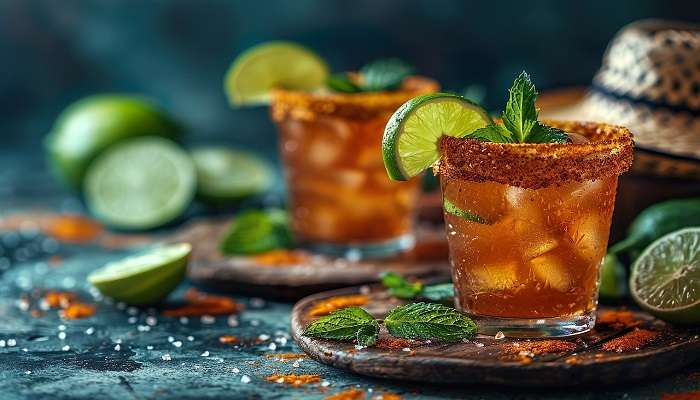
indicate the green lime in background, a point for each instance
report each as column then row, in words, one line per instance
column 665, row 278
column 146, row 278
column 227, row 175
column 140, row 183
column 273, row 64
column 90, row 125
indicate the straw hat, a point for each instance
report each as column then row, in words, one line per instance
column 649, row 81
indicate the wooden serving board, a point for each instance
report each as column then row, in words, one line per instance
column 316, row 273
column 485, row 360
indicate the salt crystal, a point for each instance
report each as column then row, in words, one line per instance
column 359, row 347
column 2, row 343
column 143, row 328
column 264, row 337
column 245, row 379
column 11, row 342
column 171, row 339
column 406, row 349
column 151, row 320
column 89, row 331
column 118, row 347
column 132, row 320
column 296, row 364
column 177, row 343
column 149, row 347
column 205, row 354
column 272, row 347
column 166, row 357
column 325, row 383
column 190, row 338
column 499, row 335
column 24, row 349
column 61, row 327
column 207, row 319
column 235, row 370
column 280, row 380
column 65, row 348
column 184, row 320
column 62, row 335
column 28, row 372
column 281, row 340
column 479, row 345
column 232, row 321
column 254, row 322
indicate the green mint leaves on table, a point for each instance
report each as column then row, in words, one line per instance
column 450, row 208
column 520, row 124
column 412, row 321
column 429, row 321
column 257, row 231
column 379, row 75
column 346, row 324
column 404, row 289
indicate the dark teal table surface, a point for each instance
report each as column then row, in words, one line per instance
column 128, row 353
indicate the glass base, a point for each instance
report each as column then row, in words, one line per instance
column 535, row 328
column 364, row 251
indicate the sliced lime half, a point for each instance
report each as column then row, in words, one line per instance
column 140, row 183
column 665, row 279
column 412, row 135
column 273, row 64
column 225, row 175
column 145, row 278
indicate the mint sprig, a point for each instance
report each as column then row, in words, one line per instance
column 379, row 75
column 412, row 321
column 342, row 83
column 257, row 231
column 429, row 321
column 520, row 119
column 402, row 288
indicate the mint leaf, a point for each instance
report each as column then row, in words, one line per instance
column 429, row 321
column 342, row 83
column 520, row 115
column 400, row 287
column 456, row 211
column 439, row 292
column 384, row 74
column 345, row 324
column 257, row 231
column 492, row 133
column 541, row 133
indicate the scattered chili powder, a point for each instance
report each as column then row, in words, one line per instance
column 284, row 357
column 280, row 257
column 57, row 299
column 352, row 394
column 387, row 396
column 681, row 396
column 634, row 340
column 392, row 343
column 73, row 228
column 204, row 304
column 78, row 311
column 336, row 303
column 228, row 339
column 294, row 380
column 539, row 347
column 617, row 319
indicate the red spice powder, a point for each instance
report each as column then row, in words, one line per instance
column 78, row 311
column 228, row 339
column 391, row 343
column 281, row 258
column 630, row 341
column 539, row 347
column 204, row 304
column 617, row 319
column 352, row 394
column 284, row 357
column 329, row 305
column 681, row 396
column 57, row 299
column 294, row 380
column 73, row 228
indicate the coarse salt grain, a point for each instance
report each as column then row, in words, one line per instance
column 235, row 370
column 62, row 335
column 171, row 339
column 166, row 357
column 207, row 319
column 296, row 364
column 190, row 338
column 65, row 348
column 205, row 354
column 2, row 343
column 177, row 343
column 118, row 347
column 245, row 379
column 151, row 320
column 272, row 347
column 500, row 335
column 11, row 342
column 89, row 331
column 325, row 383
column 149, row 347
column 61, row 327
column 132, row 320
column 184, row 320
column 232, row 321
column 254, row 322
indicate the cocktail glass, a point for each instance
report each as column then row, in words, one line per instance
column 527, row 248
column 340, row 199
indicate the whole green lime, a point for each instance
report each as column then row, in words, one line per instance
column 90, row 125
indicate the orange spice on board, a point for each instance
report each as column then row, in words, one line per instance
column 228, row 339
column 284, row 357
column 352, row 394
column 681, row 396
column 56, row 299
column 331, row 304
column 280, row 257
column 630, row 341
column 201, row 303
column 294, row 380
column 73, row 228
column 392, row 343
column 617, row 319
column 78, row 311
column 536, row 347
column 386, row 396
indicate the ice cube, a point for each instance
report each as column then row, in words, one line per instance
column 551, row 272
column 324, row 151
column 518, row 197
column 496, row 276
column 351, row 178
column 588, row 235
column 538, row 244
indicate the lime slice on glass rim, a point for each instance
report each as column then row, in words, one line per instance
column 412, row 135
column 273, row 64
column 665, row 279
column 227, row 175
column 144, row 278
column 140, row 183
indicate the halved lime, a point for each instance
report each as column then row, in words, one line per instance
column 144, row 278
column 273, row 64
column 226, row 175
column 140, row 183
column 257, row 231
column 665, row 278
column 411, row 136
column 89, row 126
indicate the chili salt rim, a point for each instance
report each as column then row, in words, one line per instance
column 609, row 152
column 303, row 105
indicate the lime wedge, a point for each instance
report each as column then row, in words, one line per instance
column 412, row 134
column 227, row 175
column 140, row 183
column 273, row 64
column 665, row 278
column 145, row 278
column 612, row 278
column 256, row 231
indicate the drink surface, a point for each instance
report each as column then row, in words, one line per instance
column 339, row 191
column 539, row 251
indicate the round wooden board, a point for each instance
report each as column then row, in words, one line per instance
column 293, row 281
column 485, row 360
